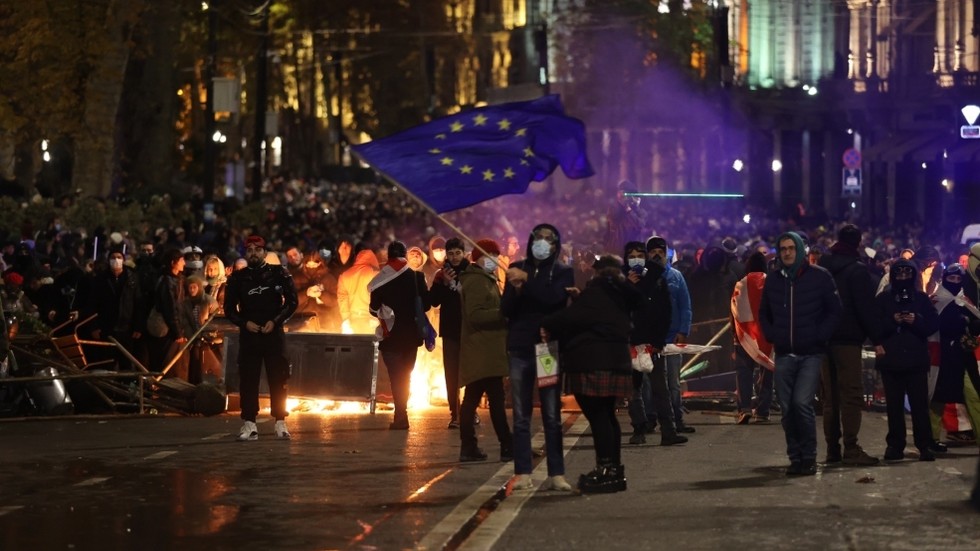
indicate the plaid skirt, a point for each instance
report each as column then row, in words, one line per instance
column 601, row 383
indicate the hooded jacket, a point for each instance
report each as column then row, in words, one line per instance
column 353, row 296
column 483, row 340
column 859, row 318
column 543, row 293
column 905, row 344
column 800, row 308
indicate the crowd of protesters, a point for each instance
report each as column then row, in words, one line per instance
column 155, row 289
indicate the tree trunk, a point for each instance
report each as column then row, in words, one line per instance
column 95, row 143
column 155, row 106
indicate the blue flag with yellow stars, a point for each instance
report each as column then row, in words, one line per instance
column 470, row 157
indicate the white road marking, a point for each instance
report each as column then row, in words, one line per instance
column 490, row 530
column 9, row 509
column 93, row 481
column 160, row 455
column 951, row 470
column 218, row 436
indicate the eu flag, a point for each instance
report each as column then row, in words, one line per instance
column 463, row 159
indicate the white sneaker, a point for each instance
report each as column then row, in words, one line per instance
column 557, row 483
column 523, row 482
column 281, row 430
column 249, row 432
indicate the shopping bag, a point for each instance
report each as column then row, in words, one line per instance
column 546, row 358
column 642, row 357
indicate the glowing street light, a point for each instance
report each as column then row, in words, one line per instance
column 738, row 165
column 777, row 165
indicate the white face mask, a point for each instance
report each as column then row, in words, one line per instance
column 634, row 262
column 489, row 264
column 541, row 249
column 115, row 263
column 196, row 264
column 439, row 255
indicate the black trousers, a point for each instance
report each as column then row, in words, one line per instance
column 493, row 387
column 400, row 362
column 450, row 363
column 254, row 350
column 606, row 434
column 915, row 384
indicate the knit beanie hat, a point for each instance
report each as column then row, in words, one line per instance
column 488, row 245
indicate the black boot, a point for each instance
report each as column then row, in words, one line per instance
column 604, row 479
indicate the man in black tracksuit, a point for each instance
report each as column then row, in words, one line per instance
column 259, row 300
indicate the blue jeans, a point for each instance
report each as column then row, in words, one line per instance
column 673, row 365
column 523, row 375
column 797, row 378
column 745, row 380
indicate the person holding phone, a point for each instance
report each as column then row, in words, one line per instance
column 908, row 318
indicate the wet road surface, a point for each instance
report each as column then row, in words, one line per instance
column 344, row 481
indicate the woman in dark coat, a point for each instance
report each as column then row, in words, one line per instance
column 593, row 335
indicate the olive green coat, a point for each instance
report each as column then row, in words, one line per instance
column 483, row 339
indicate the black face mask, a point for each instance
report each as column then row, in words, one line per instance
column 954, row 288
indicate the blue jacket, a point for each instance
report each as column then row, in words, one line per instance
column 800, row 314
column 680, row 304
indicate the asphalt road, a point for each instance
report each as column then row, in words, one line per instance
column 344, row 481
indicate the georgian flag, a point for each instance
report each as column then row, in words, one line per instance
column 745, row 308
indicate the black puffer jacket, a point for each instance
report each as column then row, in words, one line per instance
column 799, row 315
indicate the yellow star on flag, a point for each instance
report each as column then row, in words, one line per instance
column 480, row 120
column 456, row 126
column 528, row 152
column 488, row 175
column 504, row 124
column 524, row 162
column 521, row 132
column 440, row 136
column 435, row 151
column 466, row 169
column 508, row 172
column 446, row 161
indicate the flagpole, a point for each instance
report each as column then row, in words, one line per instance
column 426, row 206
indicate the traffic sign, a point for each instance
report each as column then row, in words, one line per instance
column 851, row 182
column 970, row 132
column 852, row 158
